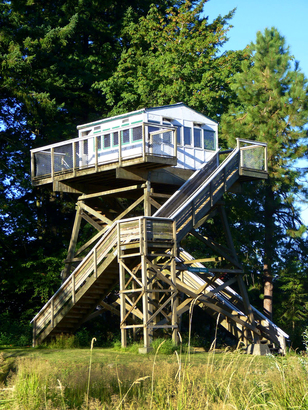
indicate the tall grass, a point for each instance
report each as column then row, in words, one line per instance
column 208, row 381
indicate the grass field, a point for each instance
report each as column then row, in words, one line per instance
column 116, row 379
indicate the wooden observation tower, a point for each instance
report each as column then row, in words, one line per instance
column 144, row 180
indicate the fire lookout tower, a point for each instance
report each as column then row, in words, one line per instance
column 144, row 180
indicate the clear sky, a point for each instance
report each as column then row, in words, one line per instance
column 251, row 16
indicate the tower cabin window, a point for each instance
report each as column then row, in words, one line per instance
column 107, row 141
column 137, row 133
column 209, row 140
column 125, row 136
column 187, row 136
column 115, row 139
column 178, row 135
column 167, row 135
column 197, row 137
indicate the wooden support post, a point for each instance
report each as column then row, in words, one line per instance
column 72, row 245
column 147, row 203
column 122, row 289
column 145, row 304
column 226, row 228
column 175, row 301
column 122, row 306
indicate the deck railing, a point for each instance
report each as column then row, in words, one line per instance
column 106, row 147
column 121, row 233
column 195, row 198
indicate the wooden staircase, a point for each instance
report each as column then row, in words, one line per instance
column 98, row 273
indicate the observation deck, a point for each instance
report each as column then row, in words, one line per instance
column 111, row 151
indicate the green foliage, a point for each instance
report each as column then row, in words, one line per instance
column 164, row 346
column 271, row 107
column 62, row 341
column 173, row 55
column 118, row 380
column 14, row 332
column 50, row 56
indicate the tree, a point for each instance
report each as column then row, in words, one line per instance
column 51, row 54
column 272, row 107
column 173, row 55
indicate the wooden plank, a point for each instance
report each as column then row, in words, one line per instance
column 91, row 221
column 95, row 213
column 112, row 191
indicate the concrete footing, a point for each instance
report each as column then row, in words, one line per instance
column 145, row 350
column 258, row 349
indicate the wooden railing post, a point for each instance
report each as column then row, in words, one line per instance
column 265, row 159
column 73, row 289
column 96, row 153
column 34, row 334
column 175, row 143
column 143, row 141
column 52, row 159
column 52, row 313
column 74, row 158
column 32, row 166
column 120, row 148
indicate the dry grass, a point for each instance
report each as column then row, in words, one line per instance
column 53, row 380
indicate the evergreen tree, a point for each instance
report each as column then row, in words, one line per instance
column 272, row 108
column 51, row 54
column 173, row 56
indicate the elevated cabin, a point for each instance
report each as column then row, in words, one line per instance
column 147, row 139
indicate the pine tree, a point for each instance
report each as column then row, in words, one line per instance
column 272, row 108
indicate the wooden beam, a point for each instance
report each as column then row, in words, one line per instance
column 217, row 259
column 216, row 248
column 137, row 202
column 111, row 191
column 91, row 222
column 91, row 241
column 96, row 214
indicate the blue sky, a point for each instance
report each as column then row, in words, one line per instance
column 251, row 16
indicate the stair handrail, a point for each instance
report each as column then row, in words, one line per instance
column 206, row 182
column 90, row 255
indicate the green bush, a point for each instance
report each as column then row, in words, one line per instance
column 165, row 346
column 14, row 332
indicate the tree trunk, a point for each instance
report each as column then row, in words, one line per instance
column 269, row 225
column 268, row 292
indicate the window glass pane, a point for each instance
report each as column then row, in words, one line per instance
column 209, row 140
column 167, row 137
column 115, row 139
column 187, row 136
column 85, row 147
column 197, row 137
column 99, row 143
column 107, row 141
column 137, row 133
column 125, row 136
column 178, row 135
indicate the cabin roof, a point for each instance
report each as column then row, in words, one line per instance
column 144, row 110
